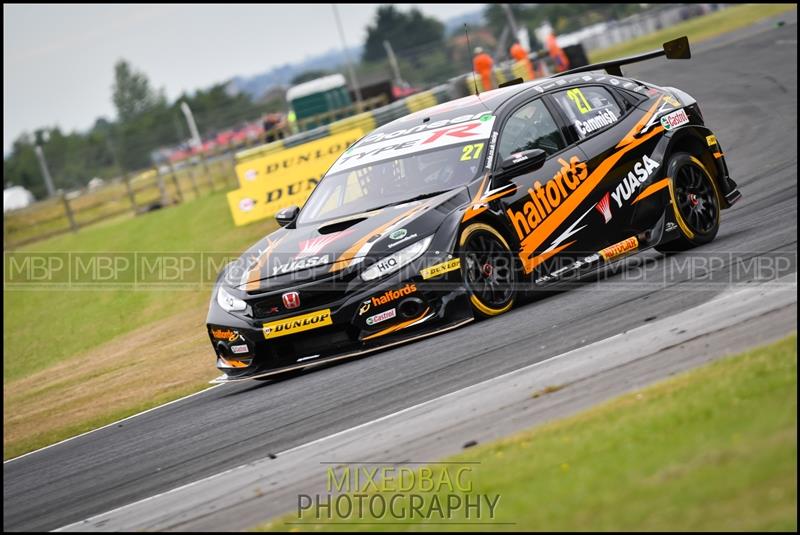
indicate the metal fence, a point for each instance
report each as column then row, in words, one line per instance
column 132, row 194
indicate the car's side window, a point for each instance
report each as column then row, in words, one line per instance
column 530, row 127
column 589, row 109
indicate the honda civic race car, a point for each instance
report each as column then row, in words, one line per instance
column 448, row 214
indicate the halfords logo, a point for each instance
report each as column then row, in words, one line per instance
column 601, row 120
column 641, row 172
column 224, row 334
column 312, row 320
column 393, row 295
column 545, row 199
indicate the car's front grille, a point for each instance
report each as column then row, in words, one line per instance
column 312, row 296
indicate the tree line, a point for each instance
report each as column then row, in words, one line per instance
column 146, row 121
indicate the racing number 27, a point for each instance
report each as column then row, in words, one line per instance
column 471, row 152
column 576, row 96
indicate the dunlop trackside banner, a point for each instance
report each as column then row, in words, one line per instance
column 275, row 181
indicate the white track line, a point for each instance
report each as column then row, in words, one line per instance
column 113, row 423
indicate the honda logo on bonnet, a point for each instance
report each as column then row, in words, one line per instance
column 291, row 299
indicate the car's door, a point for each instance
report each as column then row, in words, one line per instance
column 601, row 118
column 541, row 212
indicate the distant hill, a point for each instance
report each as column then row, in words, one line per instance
column 456, row 24
column 258, row 85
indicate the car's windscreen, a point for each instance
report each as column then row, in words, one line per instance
column 394, row 166
column 371, row 186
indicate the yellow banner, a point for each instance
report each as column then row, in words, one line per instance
column 280, row 179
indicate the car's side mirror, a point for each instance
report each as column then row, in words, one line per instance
column 520, row 163
column 287, row 215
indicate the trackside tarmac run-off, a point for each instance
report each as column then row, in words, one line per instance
column 599, row 339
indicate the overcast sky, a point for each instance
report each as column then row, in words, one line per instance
column 58, row 60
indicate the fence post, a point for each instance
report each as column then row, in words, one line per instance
column 232, row 174
column 191, row 179
column 161, row 187
column 68, row 210
column 177, row 187
column 206, row 171
column 131, row 195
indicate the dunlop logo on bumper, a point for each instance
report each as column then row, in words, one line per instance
column 297, row 324
column 613, row 251
column 440, row 269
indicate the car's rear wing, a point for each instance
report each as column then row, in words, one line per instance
column 675, row 49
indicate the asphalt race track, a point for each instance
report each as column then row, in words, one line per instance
column 746, row 84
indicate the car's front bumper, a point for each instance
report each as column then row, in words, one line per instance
column 397, row 309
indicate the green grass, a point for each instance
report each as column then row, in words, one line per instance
column 711, row 449
column 52, row 436
column 42, row 328
column 698, row 29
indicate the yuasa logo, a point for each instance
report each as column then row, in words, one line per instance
column 303, row 263
column 604, row 207
column 641, row 172
column 315, row 245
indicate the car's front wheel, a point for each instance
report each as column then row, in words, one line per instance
column 488, row 270
column 695, row 203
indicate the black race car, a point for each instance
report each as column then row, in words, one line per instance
column 447, row 214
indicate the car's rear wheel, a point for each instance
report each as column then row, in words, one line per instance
column 488, row 270
column 695, row 203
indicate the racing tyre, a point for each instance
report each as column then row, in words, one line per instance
column 695, row 203
column 488, row 270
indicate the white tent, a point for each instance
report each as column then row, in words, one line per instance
column 16, row 197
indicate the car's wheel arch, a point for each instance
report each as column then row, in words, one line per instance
column 693, row 140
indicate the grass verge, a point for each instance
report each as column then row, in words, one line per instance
column 77, row 359
column 697, row 29
column 711, row 449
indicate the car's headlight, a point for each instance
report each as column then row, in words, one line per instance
column 228, row 302
column 395, row 261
